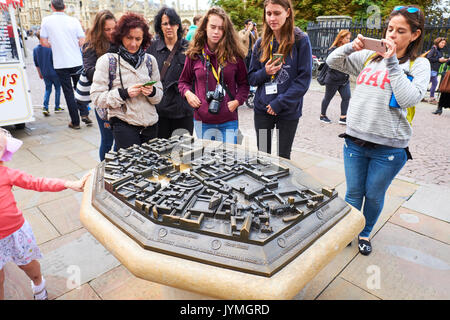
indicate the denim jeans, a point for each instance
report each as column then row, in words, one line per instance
column 330, row 91
column 48, row 90
column 434, row 83
column 368, row 174
column 66, row 77
column 106, row 136
column 225, row 132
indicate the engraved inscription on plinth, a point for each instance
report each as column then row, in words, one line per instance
column 214, row 203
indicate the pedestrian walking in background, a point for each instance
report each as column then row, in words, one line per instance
column 281, row 82
column 248, row 37
column 436, row 58
column 132, row 91
column 64, row 35
column 193, row 27
column 43, row 61
column 17, row 241
column 98, row 42
column 444, row 98
column 378, row 131
column 169, row 50
column 337, row 81
column 215, row 64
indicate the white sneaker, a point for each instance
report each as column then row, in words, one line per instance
column 39, row 292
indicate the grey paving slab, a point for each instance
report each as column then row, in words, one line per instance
column 423, row 224
column 345, row 291
column 431, row 200
column 403, row 265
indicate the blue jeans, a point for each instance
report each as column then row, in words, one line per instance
column 330, row 91
column 434, row 83
column 48, row 90
column 368, row 173
column 225, row 132
column 106, row 136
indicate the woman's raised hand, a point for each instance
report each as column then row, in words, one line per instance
column 358, row 43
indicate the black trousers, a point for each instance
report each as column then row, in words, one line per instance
column 69, row 78
column 126, row 135
column 168, row 126
column 264, row 125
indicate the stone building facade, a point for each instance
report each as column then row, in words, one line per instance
column 34, row 10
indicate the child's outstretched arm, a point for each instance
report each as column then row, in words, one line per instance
column 77, row 185
column 27, row 181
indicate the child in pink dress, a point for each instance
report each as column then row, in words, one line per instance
column 17, row 242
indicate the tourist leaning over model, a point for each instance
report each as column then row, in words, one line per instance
column 215, row 64
column 126, row 81
column 175, row 114
column 378, row 119
column 281, row 81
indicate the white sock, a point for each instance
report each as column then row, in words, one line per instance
column 40, row 288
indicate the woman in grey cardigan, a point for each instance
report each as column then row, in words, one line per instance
column 378, row 128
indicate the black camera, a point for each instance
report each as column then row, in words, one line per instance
column 214, row 99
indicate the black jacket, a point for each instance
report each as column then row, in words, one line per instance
column 172, row 105
column 89, row 61
column 433, row 56
column 333, row 76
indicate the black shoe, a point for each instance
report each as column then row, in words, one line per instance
column 364, row 246
column 438, row 111
column 325, row 119
column 343, row 121
column 86, row 120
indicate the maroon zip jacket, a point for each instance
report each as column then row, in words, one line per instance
column 235, row 77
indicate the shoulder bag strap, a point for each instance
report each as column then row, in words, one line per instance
column 166, row 64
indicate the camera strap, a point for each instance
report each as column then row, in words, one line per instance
column 205, row 59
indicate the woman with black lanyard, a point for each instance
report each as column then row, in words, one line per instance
column 175, row 114
column 281, row 68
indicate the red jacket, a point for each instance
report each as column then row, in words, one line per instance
column 11, row 218
column 235, row 77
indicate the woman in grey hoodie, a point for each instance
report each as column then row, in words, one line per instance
column 378, row 120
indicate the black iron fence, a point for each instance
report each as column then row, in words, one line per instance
column 322, row 34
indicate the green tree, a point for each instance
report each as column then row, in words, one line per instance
column 241, row 10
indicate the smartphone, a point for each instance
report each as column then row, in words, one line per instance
column 374, row 45
column 150, row 83
column 279, row 57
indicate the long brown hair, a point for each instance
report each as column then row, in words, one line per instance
column 229, row 47
column 341, row 35
column 416, row 21
column 95, row 37
column 287, row 32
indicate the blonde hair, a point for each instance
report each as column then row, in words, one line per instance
column 341, row 35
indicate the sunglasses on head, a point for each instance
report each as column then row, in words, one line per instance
column 408, row 9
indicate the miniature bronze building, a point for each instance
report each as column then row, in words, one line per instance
column 214, row 203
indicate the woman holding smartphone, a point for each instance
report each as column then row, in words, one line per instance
column 135, row 88
column 280, row 68
column 378, row 130
column 215, row 65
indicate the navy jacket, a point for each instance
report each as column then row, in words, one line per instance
column 43, row 59
column 292, row 80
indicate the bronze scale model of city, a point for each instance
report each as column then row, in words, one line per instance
column 217, row 204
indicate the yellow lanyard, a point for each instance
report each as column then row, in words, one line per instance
column 271, row 48
column 216, row 74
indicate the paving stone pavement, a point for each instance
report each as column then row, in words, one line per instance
column 411, row 240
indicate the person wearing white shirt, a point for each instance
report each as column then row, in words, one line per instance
column 64, row 35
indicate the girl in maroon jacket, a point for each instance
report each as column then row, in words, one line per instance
column 215, row 65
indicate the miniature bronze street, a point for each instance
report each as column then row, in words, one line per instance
column 214, row 203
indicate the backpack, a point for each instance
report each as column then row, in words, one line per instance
column 323, row 70
column 112, row 70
